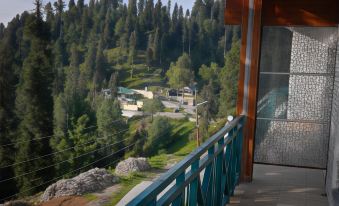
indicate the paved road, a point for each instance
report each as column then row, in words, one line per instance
column 172, row 105
column 129, row 114
column 134, row 192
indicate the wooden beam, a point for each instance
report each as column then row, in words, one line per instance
column 300, row 13
column 248, row 80
column 318, row 13
column 233, row 12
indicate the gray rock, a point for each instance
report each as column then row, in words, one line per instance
column 90, row 181
column 132, row 164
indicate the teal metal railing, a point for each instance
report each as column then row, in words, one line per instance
column 207, row 176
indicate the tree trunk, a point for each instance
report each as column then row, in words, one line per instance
column 225, row 45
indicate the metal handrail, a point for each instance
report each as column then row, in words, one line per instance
column 218, row 159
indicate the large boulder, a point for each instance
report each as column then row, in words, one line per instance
column 90, row 181
column 132, row 164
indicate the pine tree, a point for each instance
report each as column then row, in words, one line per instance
column 71, row 4
column 100, row 64
column 113, row 84
column 72, row 92
column 80, row 5
column 87, row 71
column 49, row 14
column 229, row 78
column 149, row 14
column 34, row 106
column 156, row 46
column 132, row 48
column 2, row 30
column 86, row 25
column 156, row 14
column 179, row 75
column 7, row 116
column 109, row 127
column 131, row 16
column 83, row 141
column 60, row 141
column 59, row 7
column 60, row 60
column 141, row 7
column 108, row 32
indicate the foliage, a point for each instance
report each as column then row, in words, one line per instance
column 158, row 135
column 35, row 109
column 229, row 78
column 54, row 67
column 180, row 75
column 110, row 124
column 152, row 106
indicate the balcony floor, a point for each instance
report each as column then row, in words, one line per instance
column 282, row 186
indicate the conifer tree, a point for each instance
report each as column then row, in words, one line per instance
column 132, row 48
column 2, row 30
column 60, row 60
column 113, row 84
column 109, row 127
column 229, row 78
column 179, row 75
column 34, row 106
column 7, row 116
column 59, row 7
column 156, row 46
column 141, row 7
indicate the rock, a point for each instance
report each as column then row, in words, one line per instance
column 90, row 181
column 132, row 164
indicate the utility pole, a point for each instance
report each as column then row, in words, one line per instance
column 197, row 117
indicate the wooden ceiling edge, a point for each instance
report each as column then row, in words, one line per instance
column 282, row 17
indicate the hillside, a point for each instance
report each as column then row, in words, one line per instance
column 55, row 61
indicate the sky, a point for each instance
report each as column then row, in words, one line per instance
column 9, row 8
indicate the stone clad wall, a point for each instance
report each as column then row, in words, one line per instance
column 332, row 183
column 295, row 96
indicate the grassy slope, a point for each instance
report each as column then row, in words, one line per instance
column 142, row 75
column 175, row 152
column 151, row 77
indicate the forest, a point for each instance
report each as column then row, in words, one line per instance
column 55, row 61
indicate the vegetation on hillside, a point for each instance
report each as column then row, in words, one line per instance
column 55, row 61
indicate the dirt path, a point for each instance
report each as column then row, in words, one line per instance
column 66, row 201
column 104, row 196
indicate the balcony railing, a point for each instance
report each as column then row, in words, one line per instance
column 208, row 176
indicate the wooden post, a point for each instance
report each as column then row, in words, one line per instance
column 248, row 80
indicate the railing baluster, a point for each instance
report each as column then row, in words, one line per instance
column 179, row 201
column 194, row 185
column 240, row 142
column 217, row 183
column 233, row 164
column 208, row 178
column 227, row 191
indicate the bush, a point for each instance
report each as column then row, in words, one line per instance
column 159, row 135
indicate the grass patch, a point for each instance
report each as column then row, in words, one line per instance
column 180, row 133
column 180, row 147
column 158, row 161
column 176, row 151
column 168, row 110
column 90, row 197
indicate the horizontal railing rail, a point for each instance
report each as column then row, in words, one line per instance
column 207, row 176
